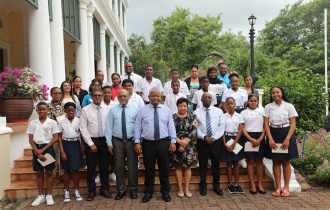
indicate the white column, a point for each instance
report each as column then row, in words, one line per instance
column 116, row 9
column 117, row 68
column 40, row 54
column 120, row 21
column 102, row 63
column 112, row 57
column 122, row 63
column 56, row 35
column 82, row 58
column 91, row 67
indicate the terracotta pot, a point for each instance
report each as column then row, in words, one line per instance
column 16, row 109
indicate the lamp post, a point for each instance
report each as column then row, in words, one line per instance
column 252, row 21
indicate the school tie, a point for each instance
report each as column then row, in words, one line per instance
column 156, row 125
column 100, row 122
column 123, row 125
column 129, row 75
column 208, row 123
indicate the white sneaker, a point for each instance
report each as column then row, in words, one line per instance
column 112, row 177
column 40, row 199
column 209, row 162
column 49, row 200
column 97, row 179
column 77, row 195
column 139, row 165
column 243, row 163
column 66, row 196
column 197, row 164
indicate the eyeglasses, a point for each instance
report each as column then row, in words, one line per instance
column 95, row 95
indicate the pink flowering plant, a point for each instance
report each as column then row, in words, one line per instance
column 16, row 82
column 315, row 156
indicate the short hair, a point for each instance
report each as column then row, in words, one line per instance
column 194, row 66
column 182, row 100
column 228, row 98
column 283, row 93
column 92, row 83
column 123, row 90
column 53, row 88
column 222, row 64
column 129, row 62
column 175, row 80
column 98, row 71
column 148, row 66
column 154, row 90
column 75, row 77
column 250, row 96
column 203, row 78
column 42, row 103
column 68, row 104
column 127, row 81
column 233, row 75
column 173, row 70
column 96, row 90
column 107, row 87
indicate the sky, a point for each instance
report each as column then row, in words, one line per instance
column 234, row 13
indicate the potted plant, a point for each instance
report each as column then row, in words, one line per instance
column 18, row 89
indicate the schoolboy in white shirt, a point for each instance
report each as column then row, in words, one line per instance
column 170, row 100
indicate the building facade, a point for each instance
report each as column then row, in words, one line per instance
column 60, row 39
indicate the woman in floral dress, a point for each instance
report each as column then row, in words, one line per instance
column 185, row 154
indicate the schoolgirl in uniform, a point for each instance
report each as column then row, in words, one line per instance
column 71, row 150
column 240, row 95
column 233, row 130
column 254, row 132
column 280, row 122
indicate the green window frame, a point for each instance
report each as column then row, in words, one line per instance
column 115, row 50
column 71, row 18
column 120, row 63
column 123, row 16
column 50, row 9
column 107, row 48
column 97, row 38
column 34, row 3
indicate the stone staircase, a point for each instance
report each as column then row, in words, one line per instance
column 23, row 179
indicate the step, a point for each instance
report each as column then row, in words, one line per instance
column 28, row 151
column 24, row 162
column 26, row 189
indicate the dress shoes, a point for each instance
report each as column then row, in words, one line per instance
column 90, row 196
column 166, row 197
column 105, row 193
column 203, row 191
column 133, row 194
column 217, row 190
column 120, row 195
column 146, row 198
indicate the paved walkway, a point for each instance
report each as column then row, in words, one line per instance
column 303, row 200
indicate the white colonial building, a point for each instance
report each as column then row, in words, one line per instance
column 63, row 38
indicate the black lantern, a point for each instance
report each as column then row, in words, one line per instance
column 252, row 21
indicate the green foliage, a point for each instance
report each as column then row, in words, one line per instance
column 305, row 91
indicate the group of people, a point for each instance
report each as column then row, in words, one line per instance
column 203, row 121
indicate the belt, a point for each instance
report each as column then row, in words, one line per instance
column 122, row 139
column 98, row 137
column 230, row 134
column 239, row 107
column 40, row 145
column 163, row 139
column 280, row 126
column 70, row 139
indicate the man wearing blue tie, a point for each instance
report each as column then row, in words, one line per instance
column 155, row 136
column 210, row 128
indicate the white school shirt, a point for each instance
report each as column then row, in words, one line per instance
column 253, row 119
column 217, row 122
column 183, row 88
column 232, row 122
column 280, row 115
column 240, row 96
column 111, row 104
column 42, row 133
column 69, row 130
column 218, row 89
column 134, row 77
column 198, row 97
column 144, row 87
column 171, row 99
column 135, row 100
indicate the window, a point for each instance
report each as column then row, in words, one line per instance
column 120, row 63
column 123, row 16
column 107, row 47
column 97, row 39
column 115, row 50
column 71, row 18
column 33, row 2
column 50, row 9
column 119, row 7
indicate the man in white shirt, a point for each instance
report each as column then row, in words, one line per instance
column 147, row 83
column 129, row 74
column 92, row 128
column 174, row 73
column 210, row 128
column 172, row 98
column 134, row 98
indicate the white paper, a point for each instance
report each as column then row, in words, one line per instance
column 237, row 148
column 249, row 147
column 49, row 160
column 279, row 150
column 60, row 118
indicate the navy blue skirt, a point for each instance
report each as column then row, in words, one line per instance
column 230, row 156
column 73, row 152
column 279, row 134
column 251, row 155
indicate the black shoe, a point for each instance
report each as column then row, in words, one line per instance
column 133, row 194
column 90, row 196
column 231, row 189
column 261, row 191
column 239, row 189
column 146, row 198
column 105, row 193
column 203, row 191
column 166, row 197
column 253, row 192
column 120, row 195
column 217, row 190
